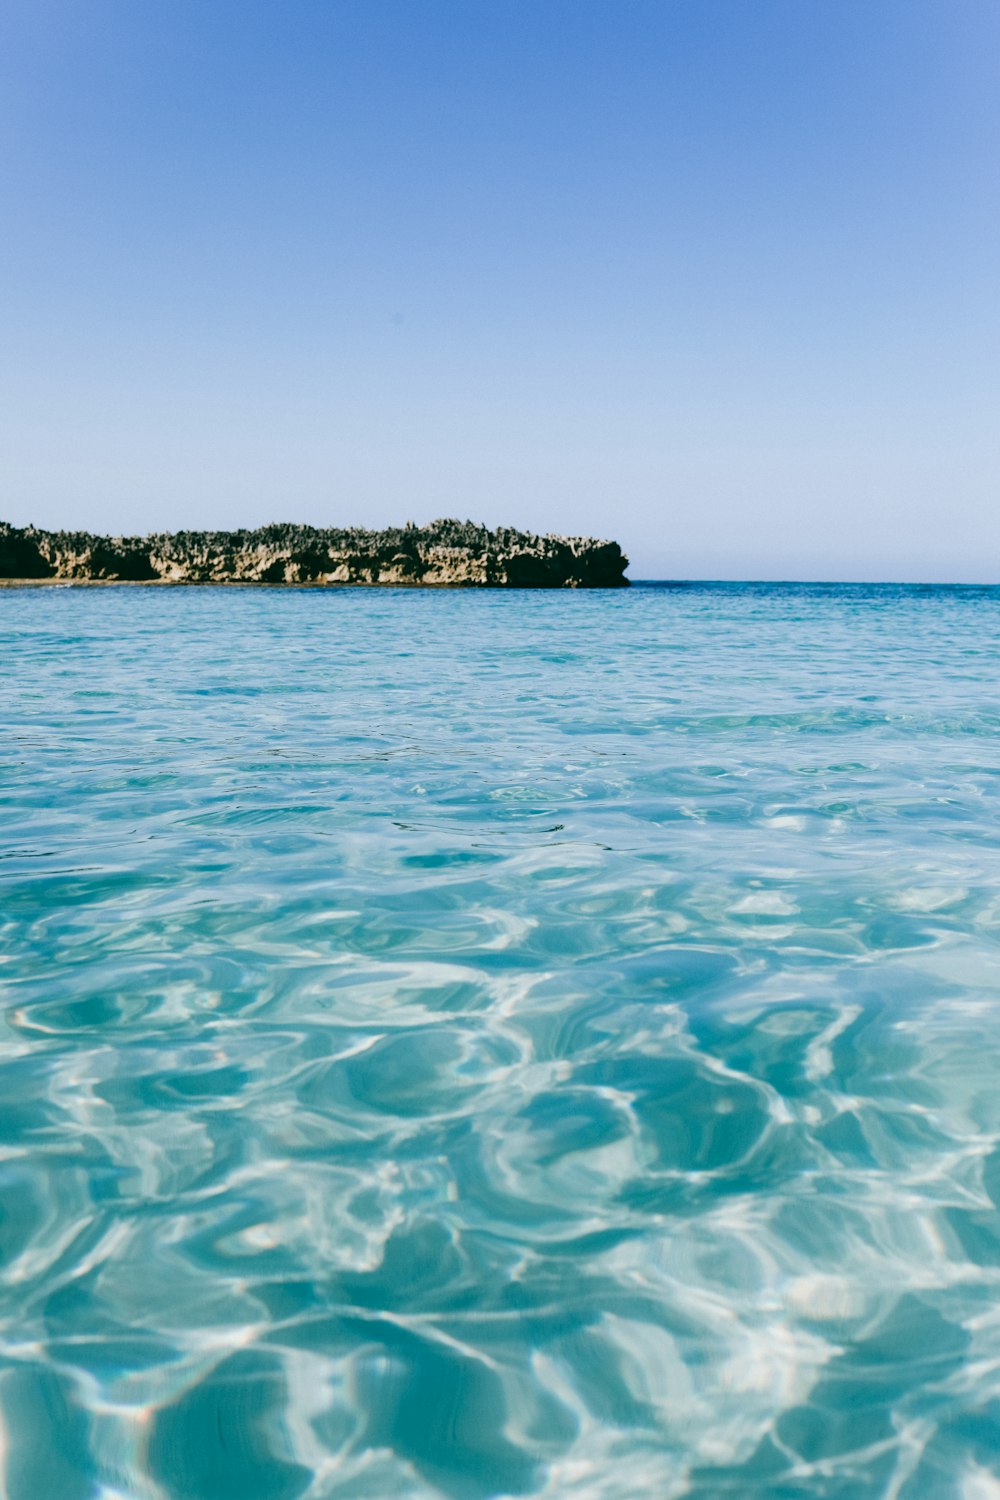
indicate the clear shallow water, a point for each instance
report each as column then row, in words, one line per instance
column 500, row 1044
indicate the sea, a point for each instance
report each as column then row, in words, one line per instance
column 476, row 1044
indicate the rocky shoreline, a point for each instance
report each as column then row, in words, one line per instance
column 445, row 553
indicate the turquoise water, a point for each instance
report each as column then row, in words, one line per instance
column 483, row 1044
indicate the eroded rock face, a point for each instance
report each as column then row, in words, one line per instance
column 443, row 553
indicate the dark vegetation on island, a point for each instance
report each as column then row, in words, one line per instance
column 443, row 553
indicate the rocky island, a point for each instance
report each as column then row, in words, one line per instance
column 441, row 554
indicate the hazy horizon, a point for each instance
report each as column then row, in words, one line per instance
column 717, row 282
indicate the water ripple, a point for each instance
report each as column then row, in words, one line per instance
column 483, row 1045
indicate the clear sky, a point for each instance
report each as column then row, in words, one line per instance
column 719, row 278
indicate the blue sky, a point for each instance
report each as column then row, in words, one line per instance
column 716, row 277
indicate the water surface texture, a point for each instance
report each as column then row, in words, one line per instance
column 497, row 1044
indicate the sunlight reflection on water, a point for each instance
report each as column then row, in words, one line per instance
column 483, row 1044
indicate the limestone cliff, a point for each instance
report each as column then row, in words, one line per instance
column 443, row 553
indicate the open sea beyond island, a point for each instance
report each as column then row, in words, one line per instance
column 475, row 1044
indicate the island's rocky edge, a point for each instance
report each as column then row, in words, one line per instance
column 443, row 553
